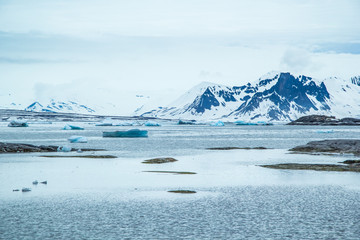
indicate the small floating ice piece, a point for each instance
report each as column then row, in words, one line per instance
column 103, row 124
column 72, row 127
column 123, row 123
column 152, row 124
column 325, row 131
column 18, row 123
column 77, row 139
column 64, row 149
column 133, row 133
column 35, row 182
column 26, row 189
column 217, row 124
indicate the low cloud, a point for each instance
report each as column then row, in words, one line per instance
column 296, row 60
column 6, row 60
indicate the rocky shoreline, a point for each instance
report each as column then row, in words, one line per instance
column 340, row 146
column 325, row 121
column 315, row 167
column 25, row 148
column 330, row 146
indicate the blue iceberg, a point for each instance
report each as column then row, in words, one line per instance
column 325, row 131
column 72, row 127
column 244, row 123
column 64, row 149
column 152, row 124
column 77, row 139
column 104, row 124
column 217, row 124
column 18, row 123
column 133, row 133
column 186, row 122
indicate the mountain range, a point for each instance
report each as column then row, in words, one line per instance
column 277, row 96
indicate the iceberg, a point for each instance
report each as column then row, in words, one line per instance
column 217, row 124
column 264, row 123
column 123, row 124
column 103, row 124
column 77, row 139
column 325, row 131
column 18, row 123
column 72, row 127
column 133, row 133
column 64, row 149
column 152, row 124
column 184, row 122
column 244, row 123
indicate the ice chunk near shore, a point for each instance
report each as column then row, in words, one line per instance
column 64, row 149
column 217, row 124
column 77, row 139
column 72, row 127
column 123, row 123
column 18, row 123
column 152, row 124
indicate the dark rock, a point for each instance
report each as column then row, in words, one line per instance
column 351, row 162
column 325, row 120
column 171, row 172
column 159, row 160
column 182, row 191
column 233, row 148
column 79, row 156
column 315, row 167
column 330, row 146
column 25, row 148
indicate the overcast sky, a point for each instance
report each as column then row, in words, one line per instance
column 168, row 46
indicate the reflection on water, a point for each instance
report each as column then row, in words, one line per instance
column 116, row 199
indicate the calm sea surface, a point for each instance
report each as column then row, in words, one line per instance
column 118, row 199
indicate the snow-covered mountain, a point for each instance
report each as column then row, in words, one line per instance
column 277, row 96
column 60, row 107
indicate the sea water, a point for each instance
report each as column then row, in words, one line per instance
column 88, row 198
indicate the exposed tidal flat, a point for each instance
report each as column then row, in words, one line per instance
column 233, row 197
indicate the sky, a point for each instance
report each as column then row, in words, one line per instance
column 114, row 49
